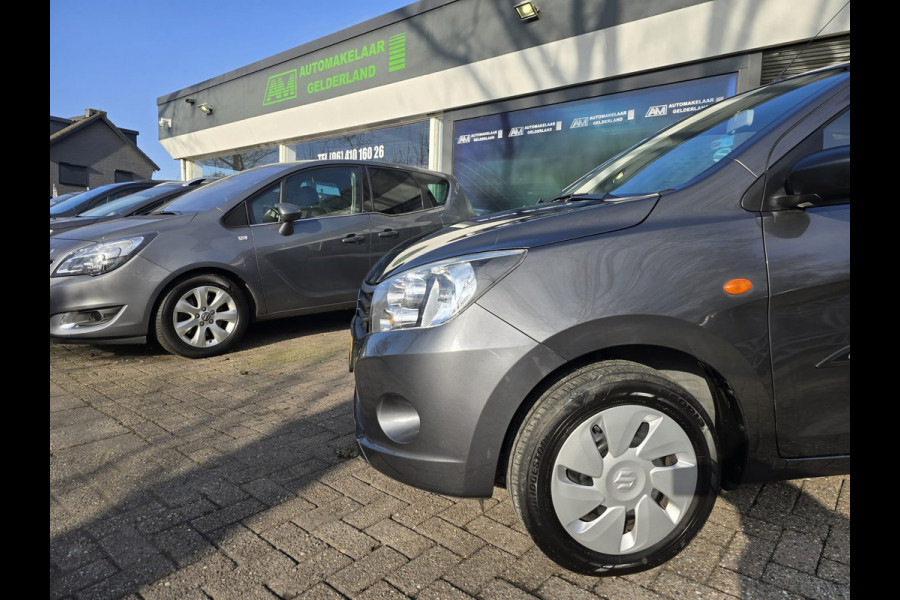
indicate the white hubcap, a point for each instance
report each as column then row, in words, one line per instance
column 624, row 479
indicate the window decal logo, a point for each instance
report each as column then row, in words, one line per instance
column 657, row 111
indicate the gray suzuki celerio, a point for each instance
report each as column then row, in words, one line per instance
column 675, row 322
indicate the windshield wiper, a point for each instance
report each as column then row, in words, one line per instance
column 561, row 198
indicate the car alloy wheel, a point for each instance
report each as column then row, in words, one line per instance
column 202, row 316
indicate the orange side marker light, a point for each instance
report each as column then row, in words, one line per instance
column 737, row 286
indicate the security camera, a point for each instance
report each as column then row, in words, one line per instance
column 163, row 122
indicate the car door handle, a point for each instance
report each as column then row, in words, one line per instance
column 354, row 238
column 388, row 233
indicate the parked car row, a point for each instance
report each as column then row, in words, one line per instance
column 79, row 202
column 675, row 322
column 139, row 202
column 273, row 241
column 61, row 197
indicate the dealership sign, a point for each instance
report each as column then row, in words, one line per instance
column 343, row 69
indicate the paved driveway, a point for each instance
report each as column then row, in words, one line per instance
column 237, row 477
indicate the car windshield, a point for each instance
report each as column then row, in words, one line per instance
column 126, row 203
column 61, row 207
column 64, row 197
column 222, row 190
column 690, row 148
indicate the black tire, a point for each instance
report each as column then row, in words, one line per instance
column 202, row 316
column 614, row 469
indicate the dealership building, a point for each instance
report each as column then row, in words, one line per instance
column 516, row 104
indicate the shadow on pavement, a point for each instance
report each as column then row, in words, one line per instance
column 237, row 477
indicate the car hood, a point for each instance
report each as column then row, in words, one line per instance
column 528, row 227
column 66, row 223
column 116, row 228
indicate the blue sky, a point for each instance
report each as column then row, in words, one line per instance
column 121, row 55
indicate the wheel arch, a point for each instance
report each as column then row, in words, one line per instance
column 725, row 384
column 194, row 271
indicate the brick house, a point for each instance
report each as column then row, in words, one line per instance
column 88, row 151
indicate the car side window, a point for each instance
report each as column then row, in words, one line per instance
column 394, row 192
column 832, row 135
column 323, row 191
column 837, row 132
column 261, row 208
column 435, row 189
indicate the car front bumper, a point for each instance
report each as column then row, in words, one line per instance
column 115, row 307
column 433, row 405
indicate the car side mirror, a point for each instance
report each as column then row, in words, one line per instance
column 820, row 178
column 287, row 214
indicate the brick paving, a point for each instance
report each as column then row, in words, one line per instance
column 237, row 477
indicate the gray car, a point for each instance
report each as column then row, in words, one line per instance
column 78, row 203
column 273, row 241
column 675, row 322
column 137, row 203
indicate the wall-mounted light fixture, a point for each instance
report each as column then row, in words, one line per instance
column 527, row 10
column 163, row 122
column 205, row 108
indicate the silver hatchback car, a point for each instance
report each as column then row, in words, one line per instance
column 274, row 241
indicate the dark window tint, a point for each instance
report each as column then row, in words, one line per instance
column 394, row 192
column 73, row 174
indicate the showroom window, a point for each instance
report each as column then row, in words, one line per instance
column 405, row 144
column 73, row 175
column 227, row 164
column 514, row 159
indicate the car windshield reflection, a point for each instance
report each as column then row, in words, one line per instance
column 222, row 190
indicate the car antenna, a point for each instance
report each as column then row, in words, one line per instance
column 781, row 75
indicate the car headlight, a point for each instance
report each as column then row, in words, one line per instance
column 102, row 257
column 432, row 294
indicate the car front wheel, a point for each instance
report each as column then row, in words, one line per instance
column 202, row 316
column 614, row 469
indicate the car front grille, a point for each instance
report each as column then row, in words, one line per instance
column 364, row 305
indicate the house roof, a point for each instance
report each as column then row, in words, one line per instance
column 92, row 115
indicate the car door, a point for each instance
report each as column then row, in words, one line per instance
column 808, row 254
column 322, row 262
column 401, row 206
